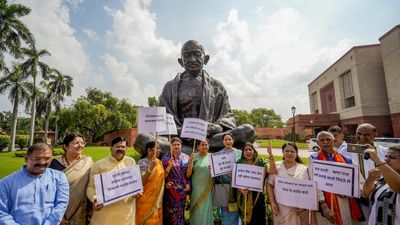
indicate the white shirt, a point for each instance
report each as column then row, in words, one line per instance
column 368, row 163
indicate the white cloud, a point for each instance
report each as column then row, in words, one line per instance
column 50, row 23
column 270, row 65
column 91, row 34
column 123, row 84
column 148, row 58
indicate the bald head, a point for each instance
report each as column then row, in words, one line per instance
column 193, row 58
column 365, row 133
column 192, row 45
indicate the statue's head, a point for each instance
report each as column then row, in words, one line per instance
column 193, row 57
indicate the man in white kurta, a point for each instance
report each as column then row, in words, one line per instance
column 119, row 213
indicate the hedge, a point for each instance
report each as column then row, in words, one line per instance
column 22, row 141
column 4, row 141
column 23, row 153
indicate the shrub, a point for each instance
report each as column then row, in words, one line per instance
column 4, row 141
column 37, row 140
column 289, row 137
column 22, row 141
column 23, row 153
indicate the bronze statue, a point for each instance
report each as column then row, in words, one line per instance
column 195, row 94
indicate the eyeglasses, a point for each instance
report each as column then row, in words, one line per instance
column 37, row 159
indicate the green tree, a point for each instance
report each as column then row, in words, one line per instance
column 19, row 91
column 60, row 85
column 31, row 65
column 97, row 114
column 152, row 101
column 263, row 117
column 12, row 30
column 5, row 118
column 242, row 117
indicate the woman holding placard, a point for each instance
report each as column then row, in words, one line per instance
column 177, row 184
column 224, row 197
column 149, row 205
column 290, row 167
column 251, row 203
column 200, row 198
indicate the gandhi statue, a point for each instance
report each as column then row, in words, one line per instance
column 195, row 94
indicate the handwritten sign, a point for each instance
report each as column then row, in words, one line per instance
column 221, row 162
column 248, row 177
column 152, row 119
column 116, row 185
column 171, row 126
column 296, row 193
column 338, row 178
column 194, row 128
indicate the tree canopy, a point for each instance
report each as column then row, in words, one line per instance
column 98, row 113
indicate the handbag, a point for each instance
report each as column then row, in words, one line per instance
column 220, row 195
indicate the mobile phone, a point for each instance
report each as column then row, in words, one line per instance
column 357, row 148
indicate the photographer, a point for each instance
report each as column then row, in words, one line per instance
column 383, row 191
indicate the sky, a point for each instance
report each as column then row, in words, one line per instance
column 264, row 52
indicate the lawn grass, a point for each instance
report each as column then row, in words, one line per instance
column 10, row 163
column 279, row 143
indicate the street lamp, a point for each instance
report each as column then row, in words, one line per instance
column 293, row 131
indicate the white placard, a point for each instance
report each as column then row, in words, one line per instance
column 171, row 126
column 221, row 162
column 296, row 193
column 152, row 119
column 118, row 184
column 248, row 177
column 194, row 128
column 338, row 178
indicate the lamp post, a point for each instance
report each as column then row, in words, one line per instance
column 293, row 131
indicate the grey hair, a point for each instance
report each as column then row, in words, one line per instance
column 325, row 133
column 367, row 125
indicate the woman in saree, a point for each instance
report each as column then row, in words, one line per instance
column 76, row 167
column 177, row 183
column 224, row 196
column 200, row 198
column 256, row 212
column 149, row 205
column 290, row 167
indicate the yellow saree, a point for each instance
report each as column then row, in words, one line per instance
column 149, row 205
column 77, row 175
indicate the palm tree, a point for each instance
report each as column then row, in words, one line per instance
column 12, row 30
column 46, row 99
column 20, row 89
column 61, row 85
column 31, row 65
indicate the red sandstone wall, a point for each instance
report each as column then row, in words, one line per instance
column 128, row 133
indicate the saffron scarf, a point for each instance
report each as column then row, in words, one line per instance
column 355, row 209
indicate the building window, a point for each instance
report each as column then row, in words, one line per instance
column 314, row 103
column 348, row 94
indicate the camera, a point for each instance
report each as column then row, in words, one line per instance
column 357, row 148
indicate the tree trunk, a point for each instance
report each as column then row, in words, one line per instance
column 14, row 124
column 56, row 131
column 46, row 128
column 33, row 114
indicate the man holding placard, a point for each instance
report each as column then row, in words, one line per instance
column 121, row 212
column 336, row 209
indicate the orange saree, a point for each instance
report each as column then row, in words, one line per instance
column 149, row 205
